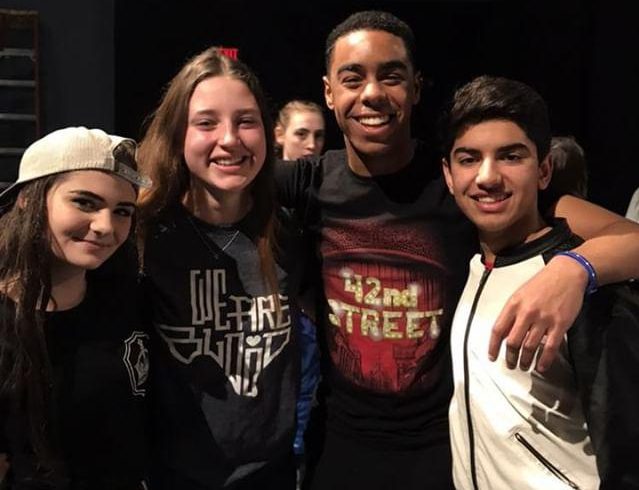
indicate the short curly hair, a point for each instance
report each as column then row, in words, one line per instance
column 372, row 20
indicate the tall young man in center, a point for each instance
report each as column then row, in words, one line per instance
column 393, row 249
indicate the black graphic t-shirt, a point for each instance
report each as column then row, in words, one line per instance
column 100, row 366
column 227, row 362
column 394, row 253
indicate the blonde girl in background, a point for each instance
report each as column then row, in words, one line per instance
column 300, row 130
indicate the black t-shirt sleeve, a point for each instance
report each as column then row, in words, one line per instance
column 294, row 181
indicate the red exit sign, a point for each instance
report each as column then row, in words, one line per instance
column 229, row 52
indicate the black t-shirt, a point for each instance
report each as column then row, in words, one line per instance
column 394, row 252
column 100, row 365
column 227, row 370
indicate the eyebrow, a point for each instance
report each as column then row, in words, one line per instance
column 350, row 67
column 463, row 149
column 393, row 65
column 211, row 112
column 386, row 66
column 514, row 146
column 501, row 149
column 99, row 198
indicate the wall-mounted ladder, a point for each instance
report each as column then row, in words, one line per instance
column 19, row 88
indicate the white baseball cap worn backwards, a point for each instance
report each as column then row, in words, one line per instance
column 78, row 148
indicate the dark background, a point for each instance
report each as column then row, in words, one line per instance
column 106, row 62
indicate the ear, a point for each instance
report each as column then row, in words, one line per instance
column 418, row 82
column 279, row 135
column 545, row 173
column 21, row 200
column 447, row 175
column 328, row 93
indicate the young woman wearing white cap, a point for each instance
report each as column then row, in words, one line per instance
column 73, row 355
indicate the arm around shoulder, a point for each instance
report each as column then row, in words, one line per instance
column 547, row 305
column 611, row 241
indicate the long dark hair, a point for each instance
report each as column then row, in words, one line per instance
column 25, row 281
column 161, row 152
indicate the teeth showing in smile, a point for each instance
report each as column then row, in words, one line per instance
column 373, row 120
column 491, row 199
column 228, row 162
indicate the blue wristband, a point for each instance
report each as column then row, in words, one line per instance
column 592, row 285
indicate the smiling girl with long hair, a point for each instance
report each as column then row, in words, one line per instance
column 73, row 359
column 217, row 284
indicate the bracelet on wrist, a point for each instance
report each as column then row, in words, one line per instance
column 593, row 284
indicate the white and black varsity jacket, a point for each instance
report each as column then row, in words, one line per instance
column 573, row 426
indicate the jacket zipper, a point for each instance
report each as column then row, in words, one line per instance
column 471, row 435
column 547, row 464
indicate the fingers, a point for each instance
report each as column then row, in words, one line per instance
column 546, row 305
column 513, row 325
column 500, row 331
column 523, row 334
column 551, row 349
column 533, row 341
column 514, row 341
column 526, row 341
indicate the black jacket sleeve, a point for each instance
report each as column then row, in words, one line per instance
column 604, row 346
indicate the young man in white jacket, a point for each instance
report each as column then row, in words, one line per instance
column 572, row 426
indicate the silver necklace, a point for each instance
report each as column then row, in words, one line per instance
column 237, row 232
column 205, row 240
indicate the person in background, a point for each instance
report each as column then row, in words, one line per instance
column 569, row 173
column 217, row 264
column 569, row 168
column 633, row 207
column 300, row 130
column 574, row 425
column 74, row 357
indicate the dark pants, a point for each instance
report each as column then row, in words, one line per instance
column 344, row 464
column 279, row 475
